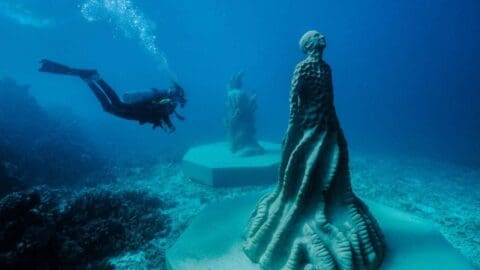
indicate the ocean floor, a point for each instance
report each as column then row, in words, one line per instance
column 443, row 193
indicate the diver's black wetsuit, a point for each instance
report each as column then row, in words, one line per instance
column 155, row 109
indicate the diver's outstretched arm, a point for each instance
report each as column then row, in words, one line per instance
column 179, row 116
column 168, row 122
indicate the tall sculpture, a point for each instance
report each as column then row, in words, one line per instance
column 313, row 220
column 240, row 120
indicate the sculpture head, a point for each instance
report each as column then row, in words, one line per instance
column 312, row 42
column 236, row 82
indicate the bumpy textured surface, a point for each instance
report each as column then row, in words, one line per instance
column 313, row 220
column 39, row 229
column 240, row 120
column 43, row 147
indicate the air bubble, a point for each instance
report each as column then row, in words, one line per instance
column 130, row 21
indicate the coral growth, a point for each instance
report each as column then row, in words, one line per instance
column 313, row 220
column 43, row 149
column 240, row 119
column 39, row 228
column 8, row 182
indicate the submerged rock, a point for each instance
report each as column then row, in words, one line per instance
column 8, row 182
column 43, row 148
column 36, row 229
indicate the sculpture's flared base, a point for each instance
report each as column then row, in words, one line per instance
column 214, row 240
column 214, row 165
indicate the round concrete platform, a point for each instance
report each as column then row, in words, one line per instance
column 214, row 165
column 214, row 240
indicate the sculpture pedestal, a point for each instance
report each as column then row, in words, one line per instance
column 215, row 165
column 214, row 240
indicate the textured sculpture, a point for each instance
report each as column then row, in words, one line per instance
column 313, row 220
column 240, row 120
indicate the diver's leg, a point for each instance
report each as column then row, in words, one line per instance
column 104, row 101
column 109, row 92
column 114, row 106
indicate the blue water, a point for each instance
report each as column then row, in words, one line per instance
column 406, row 73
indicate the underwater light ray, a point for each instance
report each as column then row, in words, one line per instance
column 127, row 18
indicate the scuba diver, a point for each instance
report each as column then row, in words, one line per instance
column 154, row 106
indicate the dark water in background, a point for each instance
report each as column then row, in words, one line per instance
column 405, row 72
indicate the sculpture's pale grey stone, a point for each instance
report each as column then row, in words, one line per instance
column 213, row 240
column 313, row 220
column 240, row 119
column 214, row 165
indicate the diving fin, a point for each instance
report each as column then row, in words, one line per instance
column 57, row 68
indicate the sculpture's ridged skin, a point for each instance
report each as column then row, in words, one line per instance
column 313, row 220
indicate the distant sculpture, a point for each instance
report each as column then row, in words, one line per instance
column 240, row 120
column 313, row 220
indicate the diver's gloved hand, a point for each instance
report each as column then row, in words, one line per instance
column 179, row 116
column 167, row 128
column 165, row 124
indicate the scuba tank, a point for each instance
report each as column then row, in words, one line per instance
column 142, row 96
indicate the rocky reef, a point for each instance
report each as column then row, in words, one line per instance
column 39, row 227
column 38, row 148
column 8, row 182
column 49, row 216
column 396, row 181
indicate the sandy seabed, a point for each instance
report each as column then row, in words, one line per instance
column 443, row 193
